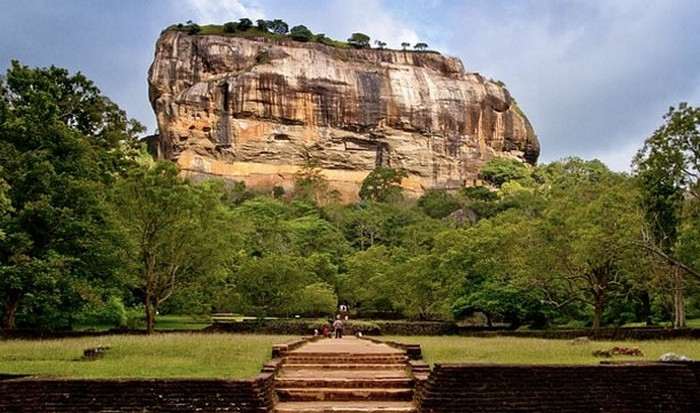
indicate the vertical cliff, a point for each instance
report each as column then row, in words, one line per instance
column 257, row 110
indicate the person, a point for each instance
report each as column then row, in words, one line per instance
column 338, row 326
column 326, row 331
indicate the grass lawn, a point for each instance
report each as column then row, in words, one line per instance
column 181, row 322
column 158, row 356
column 455, row 349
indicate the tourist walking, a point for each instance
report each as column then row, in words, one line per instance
column 338, row 327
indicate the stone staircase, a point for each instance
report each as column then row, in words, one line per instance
column 344, row 375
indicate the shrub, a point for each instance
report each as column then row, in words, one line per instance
column 301, row 33
column 230, row 27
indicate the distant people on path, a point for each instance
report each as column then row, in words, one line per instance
column 338, row 327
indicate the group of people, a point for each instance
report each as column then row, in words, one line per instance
column 336, row 329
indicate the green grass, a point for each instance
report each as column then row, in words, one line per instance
column 158, row 356
column 194, row 355
column 181, row 322
column 511, row 350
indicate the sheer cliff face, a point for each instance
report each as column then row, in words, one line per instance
column 258, row 110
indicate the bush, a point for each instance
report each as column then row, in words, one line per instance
column 301, row 33
column 283, row 326
column 110, row 313
column 230, row 27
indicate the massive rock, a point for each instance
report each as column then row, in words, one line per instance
column 257, row 110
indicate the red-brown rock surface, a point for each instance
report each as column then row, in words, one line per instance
column 258, row 110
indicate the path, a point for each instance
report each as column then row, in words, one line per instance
column 346, row 375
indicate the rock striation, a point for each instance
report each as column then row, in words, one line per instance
column 257, row 110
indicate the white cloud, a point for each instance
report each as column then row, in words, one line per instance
column 338, row 19
column 594, row 77
column 221, row 11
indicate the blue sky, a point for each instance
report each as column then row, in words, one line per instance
column 594, row 77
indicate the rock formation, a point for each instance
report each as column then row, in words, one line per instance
column 257, row 110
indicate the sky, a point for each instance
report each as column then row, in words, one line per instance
column 595, row 77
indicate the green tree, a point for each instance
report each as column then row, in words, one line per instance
column 368, row 283
column 437, row 203
column 230, row 27
column 61, row 145
column 278, row 26
column 405, row 45
column 300, row 33
column 667, row 170
column 310, row 183
column 175, row 233
column 583, row 247
column 262, row 25
column 317, row 300
column 244, row 24
column 359, row 40
column 380, row 44
column 271, row 285
column 501, row 170
column 420, row 46
column 383, row 184
column 192, row 27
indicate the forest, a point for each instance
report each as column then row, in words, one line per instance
column 94, row 231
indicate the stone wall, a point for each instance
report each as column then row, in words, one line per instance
column 634, row 388
column 31, row 394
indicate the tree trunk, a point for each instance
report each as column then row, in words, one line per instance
column 599, row 302
column 646, row 307
column 678, row 299
column 11, row 308
column 149, row 262
column 150, row 318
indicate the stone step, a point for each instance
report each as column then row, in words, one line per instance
column 342, row 366
column 345, row 407
column 346, row 359
column 336, row 394
column 344, row 373
column 343, row 382
column 343, row 354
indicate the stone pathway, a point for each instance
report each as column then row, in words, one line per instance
column 347, row 375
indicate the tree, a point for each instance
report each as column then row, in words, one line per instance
column 359, row 40
column 383, row 184
column 318, row 300
column 270, row 285
column 309, row 182
column 380, row 44
column 583, row 247
column 192, row 27
column 300, row 33
column 437, row 203
column 405, row 45
column 667, row 170
column 244, row 24
column 262, row 25
column 230, row 27
column 501, row 170
column 61, row 145
column 175, row 233
column 420, row 46
column 278, row 26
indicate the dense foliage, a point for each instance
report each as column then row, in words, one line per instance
column 91, row 229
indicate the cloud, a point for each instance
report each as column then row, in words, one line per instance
column 338, row 19
column 222, row 11
column 593, row 77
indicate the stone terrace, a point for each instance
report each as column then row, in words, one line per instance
column 348, row 375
